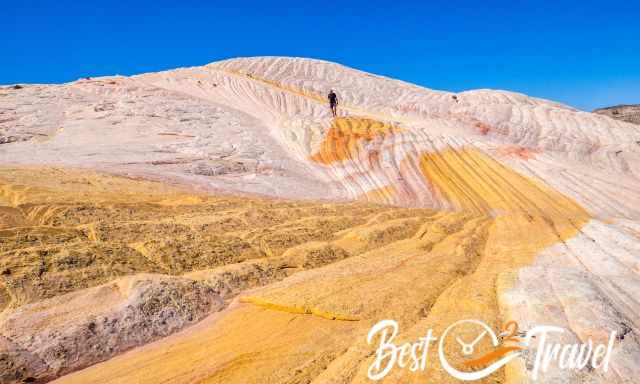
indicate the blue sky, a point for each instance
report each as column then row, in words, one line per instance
column 582, row 53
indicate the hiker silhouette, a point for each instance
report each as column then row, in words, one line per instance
column 333, row 102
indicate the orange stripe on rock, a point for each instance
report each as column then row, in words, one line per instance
column 344, row 138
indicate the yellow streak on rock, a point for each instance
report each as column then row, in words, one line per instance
column 182, row 200
column 12, row 195
column 454, row 267
column 92, row 234
column 314, row 96
column 295, row 309
column 294, row 90
column 379, row 195
column 529, row 216
column 217, row 351
column 343, row 141
column 475, row 182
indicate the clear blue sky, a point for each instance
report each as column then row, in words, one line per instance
column 581, row 52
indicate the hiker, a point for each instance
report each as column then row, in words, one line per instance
column 333, row 102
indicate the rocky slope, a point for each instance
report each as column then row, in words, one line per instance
column 628, row 113
column 489, row 205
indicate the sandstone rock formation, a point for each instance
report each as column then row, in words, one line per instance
column 628, row 113
column 488, row 205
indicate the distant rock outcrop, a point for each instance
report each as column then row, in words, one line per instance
column 628, row 113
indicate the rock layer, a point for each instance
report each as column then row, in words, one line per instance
column 628, row 113
column 515, row 208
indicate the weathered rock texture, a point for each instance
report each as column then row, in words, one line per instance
column 505, row 207
column 628, row 113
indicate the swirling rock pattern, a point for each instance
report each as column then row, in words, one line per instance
column 489, row 205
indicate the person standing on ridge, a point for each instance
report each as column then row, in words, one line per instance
column 333, row 102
